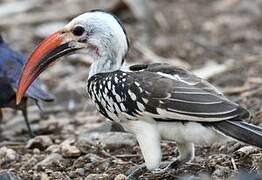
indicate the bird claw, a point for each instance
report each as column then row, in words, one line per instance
column 32, row 135
column 174, row 164
column 158, row 171
column 166, row 166
column 136, row 172
column 141, row 169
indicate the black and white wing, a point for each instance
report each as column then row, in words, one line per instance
column 169, row 93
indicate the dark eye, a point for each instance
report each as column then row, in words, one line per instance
column 78, row 31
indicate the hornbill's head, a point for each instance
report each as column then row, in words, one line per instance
column 96, row 33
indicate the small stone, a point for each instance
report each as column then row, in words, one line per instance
column 44, row 176
column 70, row 151
column 97, row 176
column 40, row 142
column 120, row 177
column 246, row 150
column 109, row 139
column 80, row 171
column 220, row 171
column 54, row 148
column 87, row 159
column 36, row 151
column 7, row 155
column 49, row 160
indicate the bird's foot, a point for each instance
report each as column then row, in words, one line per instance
column 31, row 133
column 166, row 166
column 137, row 171
column 173, row 164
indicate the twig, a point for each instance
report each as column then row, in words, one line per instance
column 234, row 164
column 11, row 143
column 255, row 80
column 236, row 90
column 126, row 155
column 117, row 160
column 212, row 68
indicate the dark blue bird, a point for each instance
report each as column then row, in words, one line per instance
column 11, row 64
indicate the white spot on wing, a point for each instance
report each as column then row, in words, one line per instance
column 140, row 89
column 122, row 106
column 145, row 100
column 118, row 98
column 116, row 108
column 140, row 106
column 106, row 91
column 97, row 107
column 109, row 84
column 116, row 79
column 132, row 95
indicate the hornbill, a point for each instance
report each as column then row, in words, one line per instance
column 11, row 64
column 152, row 101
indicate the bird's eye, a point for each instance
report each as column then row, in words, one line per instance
column 78, row 30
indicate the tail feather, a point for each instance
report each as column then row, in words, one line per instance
column 241, row 131
column 252, row 126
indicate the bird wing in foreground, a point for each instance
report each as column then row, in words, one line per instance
column 11, row 64
column 174, row 94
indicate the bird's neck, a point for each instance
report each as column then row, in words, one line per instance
column 104, row 65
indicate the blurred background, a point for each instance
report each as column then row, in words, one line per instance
column 218, row 40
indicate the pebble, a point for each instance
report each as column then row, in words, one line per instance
column 80, row 171
column 120, row 177
column 109, row 139
column 49, row 160
column 97, row 176
column 70, row 151
column 220, row 171
column 36, row 151
column 40, row 142
column 87, row 159
column 7, row 155
column 54, row 148
column 246, row 150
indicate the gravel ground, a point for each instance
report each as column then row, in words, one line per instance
column 75, row 142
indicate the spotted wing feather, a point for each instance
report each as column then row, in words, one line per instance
column 175, row 94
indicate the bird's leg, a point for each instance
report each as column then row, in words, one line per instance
column 39, row 105
column 1, row 115
column 149, row 141
column 186, row 154
column 24, row 112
